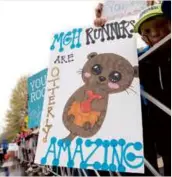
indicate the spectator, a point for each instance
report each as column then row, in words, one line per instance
column 1, row 155
column 152, row 25
column 4, row 146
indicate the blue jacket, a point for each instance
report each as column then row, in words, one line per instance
column 142, row 51
column 4, row 144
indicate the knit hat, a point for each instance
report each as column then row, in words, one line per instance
column 147, row 13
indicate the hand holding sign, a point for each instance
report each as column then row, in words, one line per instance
column 112, row 9
column 99, row 21
column 152, row 2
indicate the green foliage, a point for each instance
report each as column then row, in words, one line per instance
column 18, row 109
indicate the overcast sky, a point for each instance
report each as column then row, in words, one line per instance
column 25, row 30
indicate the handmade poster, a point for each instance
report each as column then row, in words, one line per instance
column 36, row 90
column 114, row 9
column 92, row 115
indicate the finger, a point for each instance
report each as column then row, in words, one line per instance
column 157, row 1
column 150, row 2
column 96, row 23
column 99, row 10
column 146, row 40
column 99, row 23
column 100, row 5
column 103, row 21
column 98, row 13
column 153, row 2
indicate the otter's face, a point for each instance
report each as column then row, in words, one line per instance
column 108, row 72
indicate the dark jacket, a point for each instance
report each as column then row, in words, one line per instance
column 166, row 8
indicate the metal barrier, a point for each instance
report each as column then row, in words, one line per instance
column 156, row 102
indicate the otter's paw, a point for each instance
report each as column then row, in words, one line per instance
column 87, row 126
column 71, row 118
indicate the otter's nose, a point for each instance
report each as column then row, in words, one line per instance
column 101, row 78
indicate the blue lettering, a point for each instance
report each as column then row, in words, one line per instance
column 67, row 38
column 116, row 155
column 106, row 145
column 78, row 150
column 76, row 36
column 89, row 143
column 65, row 146
column 53, row 151
column 131, row 157
column 58, row 38
column 71, row 38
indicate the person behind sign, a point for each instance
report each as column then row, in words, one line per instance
column 6, row 164
column 152, row 26
column 1, row 155
column 4, row 147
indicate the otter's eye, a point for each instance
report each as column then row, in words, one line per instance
column 97, row 69
column 115, row 76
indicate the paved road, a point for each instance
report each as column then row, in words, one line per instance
column 15, row 170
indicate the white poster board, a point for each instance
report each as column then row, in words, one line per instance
column 92, row 112
column 114, row 9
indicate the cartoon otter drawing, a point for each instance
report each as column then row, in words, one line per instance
column 103, row 74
